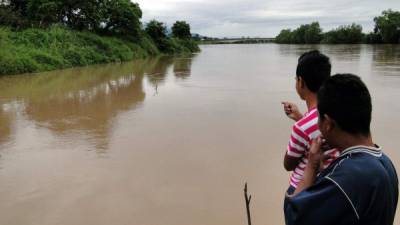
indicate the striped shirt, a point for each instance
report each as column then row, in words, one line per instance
column 303, row 132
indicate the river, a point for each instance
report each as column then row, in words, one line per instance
column 171, row 140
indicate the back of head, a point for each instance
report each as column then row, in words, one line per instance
column 346, row 99
column 314, row 68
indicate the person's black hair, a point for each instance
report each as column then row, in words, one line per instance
column 314, row 68
column 346, row 99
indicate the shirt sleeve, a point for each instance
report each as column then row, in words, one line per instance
column 322, row 203
column 298, row 143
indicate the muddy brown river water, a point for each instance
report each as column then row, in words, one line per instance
column 168, row 141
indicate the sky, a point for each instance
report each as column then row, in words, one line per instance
column 263, row 18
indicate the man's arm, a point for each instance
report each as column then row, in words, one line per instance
column 290, row 163
column 295, row 149
column 315, row 156
column 292, row 111
column 320, row 204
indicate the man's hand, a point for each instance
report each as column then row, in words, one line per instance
column 315, row 155
column 292, row 111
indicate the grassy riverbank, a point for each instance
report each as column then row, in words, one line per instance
column 57, row 47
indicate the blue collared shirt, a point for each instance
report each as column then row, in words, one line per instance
column 360, row 187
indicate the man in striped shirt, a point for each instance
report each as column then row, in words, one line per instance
column 312, row 70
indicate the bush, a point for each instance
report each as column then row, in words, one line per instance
column 305, row 34
column 351, row 34
column 34, row 50
column 285, row 36
column 13, row 63
column 189, row 46
column 372, row 38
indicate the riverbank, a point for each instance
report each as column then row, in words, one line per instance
column 58, row 47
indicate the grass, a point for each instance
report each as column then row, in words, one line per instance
column 36, row 50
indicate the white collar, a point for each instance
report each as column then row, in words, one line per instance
column 375, row 151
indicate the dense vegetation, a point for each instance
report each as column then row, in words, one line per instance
column 387, row 30
column 39, row 35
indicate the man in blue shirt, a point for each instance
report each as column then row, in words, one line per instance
column 361, row 186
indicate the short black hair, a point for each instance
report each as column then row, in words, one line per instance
column 314, row 68
column 346, row 99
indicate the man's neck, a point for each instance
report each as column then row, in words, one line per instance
column 348, row 141
column 311, row 101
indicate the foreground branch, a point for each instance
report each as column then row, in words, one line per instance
column 248, row 199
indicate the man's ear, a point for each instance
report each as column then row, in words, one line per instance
column 329, row 122
column 301, row 81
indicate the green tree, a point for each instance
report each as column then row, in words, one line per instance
column 158, row 33
column 350, row 34
column 44, row 12
column 156, row 30
column 305, row 34
column 372, row 38
column 114, row 17
column 19, row 6
column 298, row 34
column 388, row 26
column 12, row 19
column 284, row 37
column 82, row 15
column 181, row 30
column 121, row 17
column 313, row 33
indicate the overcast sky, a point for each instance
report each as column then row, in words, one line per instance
column 263, row 18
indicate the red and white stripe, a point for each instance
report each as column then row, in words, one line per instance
column 303, row 132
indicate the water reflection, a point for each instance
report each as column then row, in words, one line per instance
column 386, row 60
column 7, row 120
column 83, row 101
column 157, row 70
column 182, row 67
column 296, row 50
column 343, row 53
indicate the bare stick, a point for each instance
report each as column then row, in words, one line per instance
column 248, row 199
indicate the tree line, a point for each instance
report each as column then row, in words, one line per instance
column 118, row 18
column 387, row 30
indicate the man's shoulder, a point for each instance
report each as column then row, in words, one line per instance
column 361, row 161
column 309, row 123
column 356, row 166
column 361, row 172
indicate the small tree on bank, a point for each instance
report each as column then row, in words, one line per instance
column 156, row 30
column 181, row 30
column 158, row 33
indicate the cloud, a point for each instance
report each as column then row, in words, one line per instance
column 263, row 18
